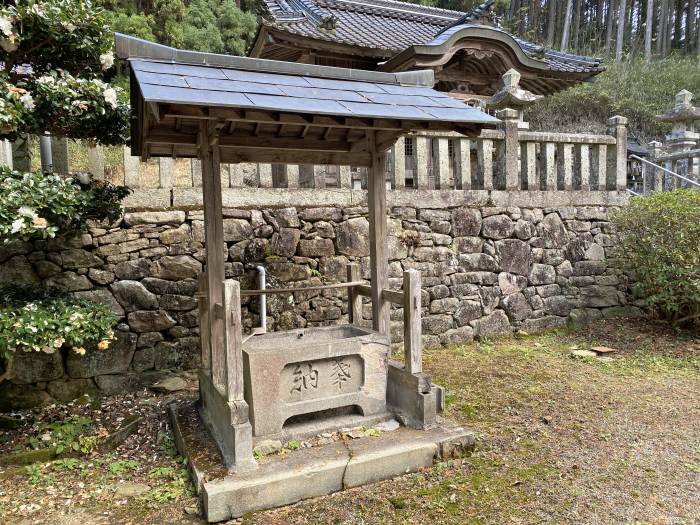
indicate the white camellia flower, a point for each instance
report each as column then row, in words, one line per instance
column 46, row 79
column 27, row 100
column 107, row 60
column 5, row 25
column 26, row 211
column 17, row 225
column 111, row 97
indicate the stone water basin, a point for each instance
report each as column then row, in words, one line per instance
column 312, row 372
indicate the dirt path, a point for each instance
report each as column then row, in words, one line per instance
column 561, row 440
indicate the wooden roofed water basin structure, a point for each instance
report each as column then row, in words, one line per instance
column 289, row 385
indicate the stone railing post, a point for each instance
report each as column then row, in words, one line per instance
column 422, row 152
column 442, row 164
column 617, row 161
column 354, row 298
column 131, row 168
column 265, row 175
column 398, row 164
column 96, row 162
column 511, row 148
column 653, row 177
column 22, row 154
column 59, row 150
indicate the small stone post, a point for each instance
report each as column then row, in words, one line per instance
column 617, row 158
column 653, row 177
column 22, row 154
column 422, row 152
column 59, row 147
column 511, row 149
column 398, row 164
column 131, row 168
column 354, row 299
column 96, row 162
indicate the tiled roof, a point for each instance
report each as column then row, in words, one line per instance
column 390, row 26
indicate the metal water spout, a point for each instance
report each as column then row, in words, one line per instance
column 262, row 283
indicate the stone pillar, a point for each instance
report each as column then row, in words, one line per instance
column 292, row 173
column 653, row 177
column 422, row 152
column 463, row 179
column 345, row 176
column 511, row 149
column 617, row 175
column 398, row 164
column 166, row 165
column 131, row 168
column 441, row 165
column 96, row 162
column 22, row 154
column 265, row 175
column 235, row 175
column 319, row 176
column 59, row 147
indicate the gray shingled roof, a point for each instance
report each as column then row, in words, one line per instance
column 167, row 75
column 390, row 25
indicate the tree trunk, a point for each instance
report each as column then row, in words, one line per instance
column 649, row 30
column 691, row 28
column 566, row 31
column 551, row 22
column 661, row 27
column 576, row 25
column 610, row 24
column 621, row 19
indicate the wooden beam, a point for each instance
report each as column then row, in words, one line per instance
column 233, row 340
column 379, row 267
column 412, row 341
column 214, row 238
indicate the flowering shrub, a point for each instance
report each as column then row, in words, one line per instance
column 38, row 205
column 659, row 240
column 52, row 55
column 37, row 320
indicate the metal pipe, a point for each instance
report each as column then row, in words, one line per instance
column 45, row 153
column 263, row 298
column 635, row 157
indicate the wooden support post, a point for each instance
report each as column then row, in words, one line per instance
column 379, row 268
column 422, row 152
column 398, row 167
column 354, row 298
column 214, row 239
column 233, row 340
column 413, row 353
column 204, row 330
column 618, row 174
column 463, row 179
column 511, row 148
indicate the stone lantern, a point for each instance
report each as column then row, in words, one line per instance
column 512, row 96
column 683, row 117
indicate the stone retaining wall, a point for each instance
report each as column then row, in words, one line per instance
column 487, row 270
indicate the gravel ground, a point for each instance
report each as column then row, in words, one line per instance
column 560, row 440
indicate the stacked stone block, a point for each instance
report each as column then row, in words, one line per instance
column 486, row 272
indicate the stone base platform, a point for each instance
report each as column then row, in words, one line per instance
column 309, row 472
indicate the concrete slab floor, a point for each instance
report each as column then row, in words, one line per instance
column 308, row 472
